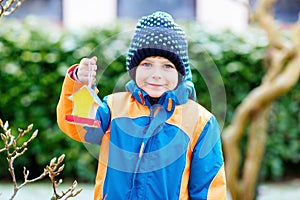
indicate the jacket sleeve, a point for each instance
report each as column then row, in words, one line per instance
column 65, row 107
column 207, row 175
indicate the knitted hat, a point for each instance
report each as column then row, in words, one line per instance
column 158, row 35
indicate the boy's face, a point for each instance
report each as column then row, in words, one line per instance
column 156, row 75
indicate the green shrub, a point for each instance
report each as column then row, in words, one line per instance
column 34, row 57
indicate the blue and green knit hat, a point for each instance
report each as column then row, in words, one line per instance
column 158, row 35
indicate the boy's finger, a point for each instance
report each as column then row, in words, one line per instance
column 93, row 60
column 94, row 67
column 85, row 61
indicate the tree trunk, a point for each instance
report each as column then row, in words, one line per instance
column 283, row 73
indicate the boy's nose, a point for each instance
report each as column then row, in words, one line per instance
column 156, row 72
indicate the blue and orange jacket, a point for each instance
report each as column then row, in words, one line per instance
column 170, row 150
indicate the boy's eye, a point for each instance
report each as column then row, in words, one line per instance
column 145, row 64
column 169, row 66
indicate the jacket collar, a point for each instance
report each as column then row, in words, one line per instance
column 168, row 100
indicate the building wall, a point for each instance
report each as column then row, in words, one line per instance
column 211, row 13
column 220, row 14
column 89, row 13
column 214, row 14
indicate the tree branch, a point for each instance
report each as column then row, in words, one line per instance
column 14, row 151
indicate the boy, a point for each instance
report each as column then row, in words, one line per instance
column 155, row 141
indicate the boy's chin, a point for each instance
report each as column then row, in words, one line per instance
column 155, row 94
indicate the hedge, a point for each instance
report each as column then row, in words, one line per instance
column 34, row 57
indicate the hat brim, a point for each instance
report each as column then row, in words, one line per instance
column 143, row 53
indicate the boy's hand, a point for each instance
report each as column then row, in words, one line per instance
column 87, row 70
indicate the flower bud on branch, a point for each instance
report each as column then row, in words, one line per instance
column 14, row 151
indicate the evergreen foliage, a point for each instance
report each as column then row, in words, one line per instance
column 35, row 55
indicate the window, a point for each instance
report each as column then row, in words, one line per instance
column 285, row 10
column 47, row 9
column 135, row 9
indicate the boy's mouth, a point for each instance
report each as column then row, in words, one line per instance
column 155, row 84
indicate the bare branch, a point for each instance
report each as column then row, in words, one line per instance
column 283, row 72
column 265, row 17
column 14, row 151
column 9, row 7
column 54, row 169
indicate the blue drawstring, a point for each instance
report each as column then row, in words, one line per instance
column 159, row 116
